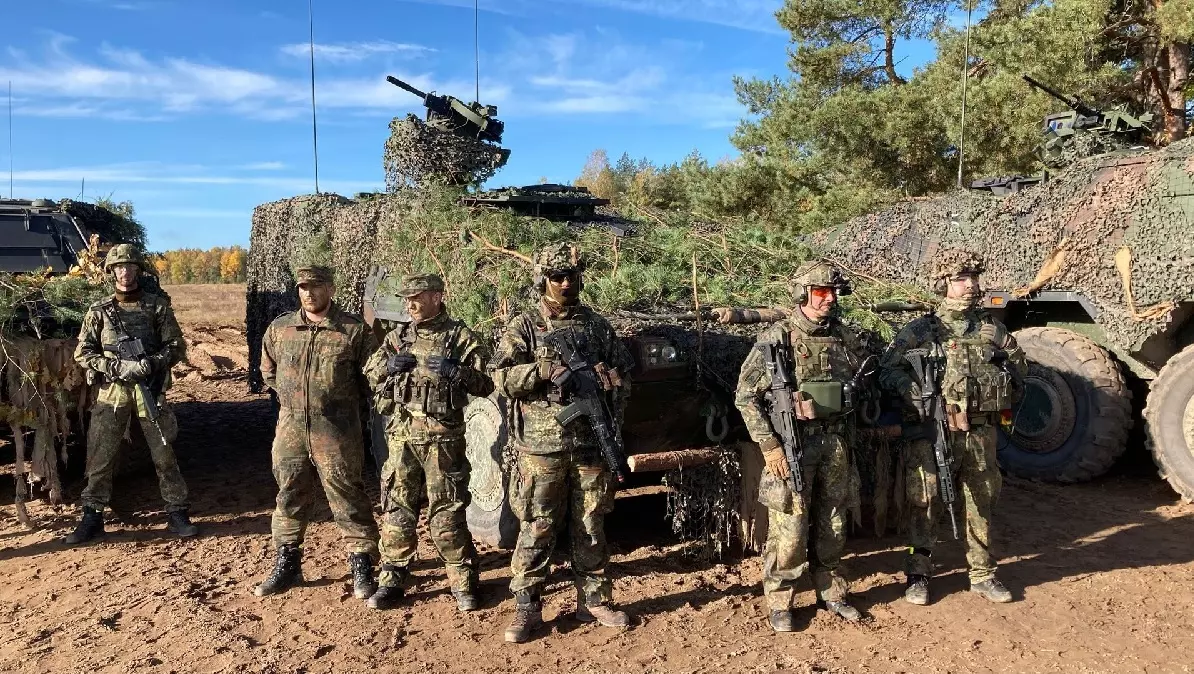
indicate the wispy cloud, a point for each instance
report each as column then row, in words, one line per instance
column 264, row 166
column 752, row 15
column 157, row 173
column 350, row 52
column 123, row 84
column 194, row 214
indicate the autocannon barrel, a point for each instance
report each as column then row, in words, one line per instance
column 1071, row 101
column 403, row 85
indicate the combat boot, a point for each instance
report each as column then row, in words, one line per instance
column 917, row 591
column 844, row 610
column 466, row 600
column 361, row 567
column 288, row 571
column 91, row 526
column 389, row 588
column 180, row 523
column 993, row 590
column 528, row 615
column 781, row 621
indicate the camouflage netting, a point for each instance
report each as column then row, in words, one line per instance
column 416, row 154
column 1081, row 220
column 110, row 226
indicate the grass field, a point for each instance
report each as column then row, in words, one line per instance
column 221, row 304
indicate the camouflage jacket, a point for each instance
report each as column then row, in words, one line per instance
column 316, row 368
column 826, row 352
column 145, row 316
column 520, row 368
column 420, row 402
column 970, row 340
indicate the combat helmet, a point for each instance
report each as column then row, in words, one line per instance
column 951, row 262
column 123, row 253
column 555, row 258
column 818, row 274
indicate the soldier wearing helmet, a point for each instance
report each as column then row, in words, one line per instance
column 822, row 355
column 559, row 467
column 131, row 316
column 422, row 376
column 980, row 366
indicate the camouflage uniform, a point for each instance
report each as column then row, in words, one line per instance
column 148, row 317
column 316, row 371
column 970, row 338
column 425, row 436
column 559, row 470
column 821, row 352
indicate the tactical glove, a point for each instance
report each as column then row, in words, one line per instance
column 400, row 363
column 445, row 368
column 136, row 371
column 775, row 461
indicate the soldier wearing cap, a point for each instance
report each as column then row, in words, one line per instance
column 421, row 378
column 823, row 355
column 312, row 359
column 129, row 388
column 980, row 363
column 560, row 479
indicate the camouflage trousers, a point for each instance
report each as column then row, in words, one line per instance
column 438, row 465
column 544, row 490
column 818, row 511
column 108, row 426
column 332, row 450
column 977, row 482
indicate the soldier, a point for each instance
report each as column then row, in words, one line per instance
column 824, row 355
column 312, row 359
column 134, row 384
column 421, row 377
column 559, row 471
column 976, row 390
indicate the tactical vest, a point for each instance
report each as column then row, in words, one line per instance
column 822, row 366
column 970, row 380
column 422, row 390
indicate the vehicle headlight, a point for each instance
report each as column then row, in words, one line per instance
column 669, row 353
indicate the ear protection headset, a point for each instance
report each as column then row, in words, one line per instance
column 840, row 284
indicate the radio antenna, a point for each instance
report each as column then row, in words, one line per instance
column 965, row 81
column 314, row 127
column 477, row 47
column 10, row 193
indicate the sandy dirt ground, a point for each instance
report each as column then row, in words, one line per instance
column 1103, row 573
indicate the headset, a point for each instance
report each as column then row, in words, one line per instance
column 840, row 284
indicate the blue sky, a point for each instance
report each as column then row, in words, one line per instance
column 198, row 110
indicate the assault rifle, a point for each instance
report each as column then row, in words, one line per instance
column 131, row 349
column 783, row 415
column 927, row 365
column 586, row 398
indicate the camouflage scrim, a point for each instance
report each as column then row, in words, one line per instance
column 557, row 466
column 123, row 253
column 413, row 284
column 560, row 257
column 316, row 371
column 823, row 353
column 425, row 436
column 952, row 262
column 149, row 318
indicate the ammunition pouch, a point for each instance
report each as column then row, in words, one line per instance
column 825, row 398
column 438, row 399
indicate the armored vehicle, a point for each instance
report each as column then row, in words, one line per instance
column 1092, row 264
column 38, row 234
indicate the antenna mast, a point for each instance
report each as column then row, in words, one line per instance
column 477, row 47
column 965, row 81
column 314, row 128
column 10, row 139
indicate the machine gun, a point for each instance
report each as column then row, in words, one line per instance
column 586, row 398
column 131, row 349
column 927, row 364
column 783, row 414
column 452, row 115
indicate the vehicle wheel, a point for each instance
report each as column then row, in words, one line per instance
column 488, row 513
column 1169, row 422
column 1072, row 422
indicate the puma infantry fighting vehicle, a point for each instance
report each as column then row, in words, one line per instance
column 38, row 234
column 1092, row 264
